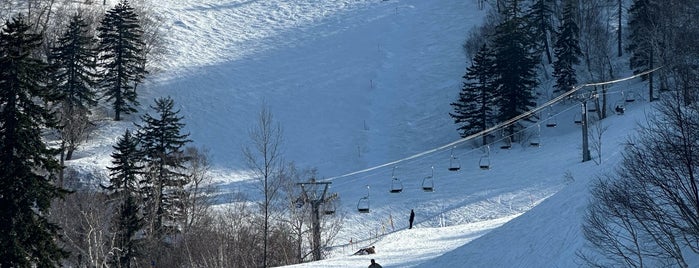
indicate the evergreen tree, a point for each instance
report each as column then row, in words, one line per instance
column 126, row 161
column 163, row 184
column 75, row 60
column 567, row 51
column 124, row 186
column 515, row 68
column 473, row 111
column 74, row 75
column 642, row 23
column 121, row 43
column 540, row 22
column 27, row 165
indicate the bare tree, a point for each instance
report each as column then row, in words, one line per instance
column 200, row 187
column 646, row 214
column 77, row 127
column 265, row 160
column 85, row 220
column 598, row 130
column 154, row 48
column 595, row 43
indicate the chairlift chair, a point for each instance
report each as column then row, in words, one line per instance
column 396, row 184
column 629, row 97
column 536, row 140
column 329, row 209
column 577, row 119
column 551, row 121
column 363, row 203
column 428, row 182
column 484, row 162
column 454, row 163
column 508, row 143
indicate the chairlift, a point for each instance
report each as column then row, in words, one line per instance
column 363, row 203
column 551, row 121
column 484, row 162
column 454, row 163
column 428, row 182
column 536, row 140
column 396, row 184
column 508, row 143
column 577, row 119
column 329, row 209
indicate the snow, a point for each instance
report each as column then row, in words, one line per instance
column 360, row 86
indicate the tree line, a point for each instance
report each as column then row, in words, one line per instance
column 525, row 42
column 644, row 213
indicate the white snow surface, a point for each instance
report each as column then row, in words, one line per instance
column 357, row 84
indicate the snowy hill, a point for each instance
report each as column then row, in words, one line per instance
column 362, row 83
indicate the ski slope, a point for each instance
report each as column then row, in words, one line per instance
column 357, row 84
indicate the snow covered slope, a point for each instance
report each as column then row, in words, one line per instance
column 357, row 84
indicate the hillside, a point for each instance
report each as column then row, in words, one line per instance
column 362, row 88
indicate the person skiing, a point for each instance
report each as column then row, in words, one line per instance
column 412, row 218
column 374, row 264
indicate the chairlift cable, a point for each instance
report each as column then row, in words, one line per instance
column 498, row 126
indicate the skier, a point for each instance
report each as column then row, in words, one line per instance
column 412, row 218
column 374, row 264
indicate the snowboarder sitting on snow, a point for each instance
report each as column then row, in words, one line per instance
column 365, row 251
column 374, row 264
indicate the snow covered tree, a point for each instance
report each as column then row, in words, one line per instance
column 121, row 57
column 474, row 109
column 515, row 67
column 163, row 183
column 567, row 51
column 75, row 78
column 27, row 164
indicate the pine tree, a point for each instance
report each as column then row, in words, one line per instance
column 540, row 22
column 567, row 51
column 642, row 22
column 74, row 75
column 126, row 161
column 163, row 184
column 121, row 44
column 75, row 58
column 124, row 179
column 515, row 68
column 473, row 111
column 27, row 165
